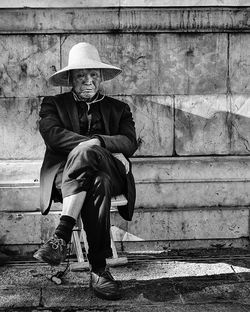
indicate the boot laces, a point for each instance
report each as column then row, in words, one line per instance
column 56, row 243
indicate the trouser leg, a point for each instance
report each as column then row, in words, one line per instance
column 101, row 175
column 83, row 164
column 96, row 220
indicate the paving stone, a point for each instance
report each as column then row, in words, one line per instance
column 19, row 296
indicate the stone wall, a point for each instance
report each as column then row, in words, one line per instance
column 186, row 77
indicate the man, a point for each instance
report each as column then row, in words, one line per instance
column 88, row 138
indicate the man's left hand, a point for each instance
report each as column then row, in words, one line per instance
column 122, row 158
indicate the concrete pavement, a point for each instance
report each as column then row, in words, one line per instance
column 149, row 284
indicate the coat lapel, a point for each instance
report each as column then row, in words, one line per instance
column 71, row 107
column 105, row 112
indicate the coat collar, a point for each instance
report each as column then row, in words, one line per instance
column 71, row 107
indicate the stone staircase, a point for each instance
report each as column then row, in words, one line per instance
column 182, row 203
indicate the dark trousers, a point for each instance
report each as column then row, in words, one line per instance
column 96, row 171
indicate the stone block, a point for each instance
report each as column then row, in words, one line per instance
column 191, row 63
column 19, row 134
column 19, row 197
column 161, row 64
column 239, row 62
column 33, row 228
column 240, row 124
column 185, row 224
column 19, row 297
column 192, row 194
column 26, row 63
column 64, row 20
column 161, row 183
column 153, row 116
column 202, row 125
column 16, row 171
column 26, row 228
column 99, row 17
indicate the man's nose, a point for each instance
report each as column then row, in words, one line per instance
column 88, row 79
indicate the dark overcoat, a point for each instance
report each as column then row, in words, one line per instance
column 60, row 129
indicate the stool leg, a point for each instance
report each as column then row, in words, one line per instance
column 115, row 261
column 115, row 255
column 78, row 247
column 78, row 231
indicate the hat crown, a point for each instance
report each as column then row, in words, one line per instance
column 81, row 52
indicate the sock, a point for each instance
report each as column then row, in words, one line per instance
column 99, row 265
column 65, row 227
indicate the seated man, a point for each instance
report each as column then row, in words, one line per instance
column 88, row 138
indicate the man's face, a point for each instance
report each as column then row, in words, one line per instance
column 86, row 82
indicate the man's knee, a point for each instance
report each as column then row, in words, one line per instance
column 84, row 154
column 102, row 181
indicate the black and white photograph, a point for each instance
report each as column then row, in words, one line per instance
column 124, row 155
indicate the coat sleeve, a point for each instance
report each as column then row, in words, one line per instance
column 125, row 141
column 54, row 133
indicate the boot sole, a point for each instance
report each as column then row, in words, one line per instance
column 47, row 260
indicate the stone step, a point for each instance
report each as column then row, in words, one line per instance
column 201, row 200
column 34, row 228
column 154, row 169
column 160, row 183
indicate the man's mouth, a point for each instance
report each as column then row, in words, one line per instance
column 87, row 89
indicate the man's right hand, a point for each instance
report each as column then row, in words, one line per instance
column 90, row 142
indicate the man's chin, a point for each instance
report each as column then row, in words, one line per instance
column 86, row 95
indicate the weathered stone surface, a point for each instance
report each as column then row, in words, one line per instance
column 240, row 119
column 33, row 228
column 64, row 20
column 16, row 297
column 192, row 194
column 19, row 135
column 26, row 63
column 239, row 63
column 207, row 168
column 160, row 285
column 201, row 125
column 15, row 171
column 185, row 20
column 153, row 116
column 26, row 228
column 185, row 224
column 161, row 183
column 184, row 244
column 162, row 64
column 192, row 64
column 101, row 18
column 20, row 138
column 19, row 197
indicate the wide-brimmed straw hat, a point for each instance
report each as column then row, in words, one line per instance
column 83, row 55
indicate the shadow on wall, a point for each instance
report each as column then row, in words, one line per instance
column 192, row 125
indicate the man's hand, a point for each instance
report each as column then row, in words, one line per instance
column 91, row 142
column 121, row 157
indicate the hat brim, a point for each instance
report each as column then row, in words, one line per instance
column 61, row 77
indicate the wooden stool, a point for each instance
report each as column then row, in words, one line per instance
column 80, row 235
